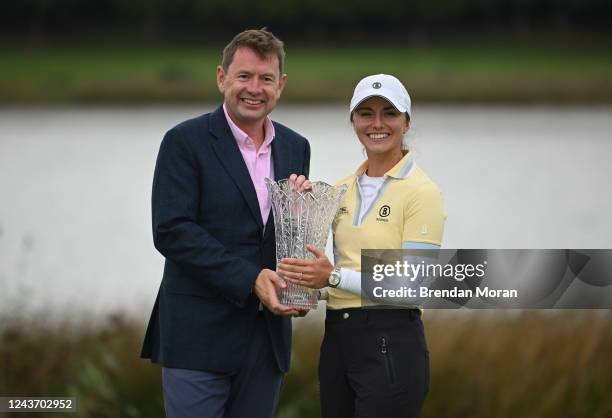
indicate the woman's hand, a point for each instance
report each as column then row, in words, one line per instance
column 310, row 273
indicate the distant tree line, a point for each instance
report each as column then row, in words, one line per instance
column 310, row 20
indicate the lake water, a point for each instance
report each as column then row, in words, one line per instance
column 75, row 232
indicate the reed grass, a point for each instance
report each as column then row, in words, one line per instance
column 483, row 365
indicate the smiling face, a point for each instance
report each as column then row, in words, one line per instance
column 251, row 86
column 380, row 128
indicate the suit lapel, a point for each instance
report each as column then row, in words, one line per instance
column 230, row 156
column 280, row 157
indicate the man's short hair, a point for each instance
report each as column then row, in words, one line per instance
column 260, row 41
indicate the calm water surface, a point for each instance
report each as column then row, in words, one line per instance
column 75, row 186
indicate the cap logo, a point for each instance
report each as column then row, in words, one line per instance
column 376, row 85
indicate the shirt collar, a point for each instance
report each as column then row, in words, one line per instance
column 398, row 171
column 242, row 138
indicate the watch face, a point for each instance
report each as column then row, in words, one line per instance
column 334, row 280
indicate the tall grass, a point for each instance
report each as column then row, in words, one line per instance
column 95, row 362
column 534, row 364
column 483, row 364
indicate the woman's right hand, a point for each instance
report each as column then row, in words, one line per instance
column 312, row 273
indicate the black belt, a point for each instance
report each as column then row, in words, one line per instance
column 367, row 314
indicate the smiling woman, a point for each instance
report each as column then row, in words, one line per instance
column 390, row 203
column 380, row 127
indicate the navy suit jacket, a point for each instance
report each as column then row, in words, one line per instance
column 207, row 224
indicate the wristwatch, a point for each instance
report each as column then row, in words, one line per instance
column 334, row 278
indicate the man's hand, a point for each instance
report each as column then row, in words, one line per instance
column 265, row 288
column 302, row 312
column 300, row 183
column 310, row 273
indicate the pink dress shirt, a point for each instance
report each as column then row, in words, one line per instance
column 258, row 162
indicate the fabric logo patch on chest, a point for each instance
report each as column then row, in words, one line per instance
column 383, row 213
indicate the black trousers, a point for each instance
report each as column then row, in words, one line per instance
column 374, row 364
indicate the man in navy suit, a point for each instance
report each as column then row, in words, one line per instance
column 217, row 327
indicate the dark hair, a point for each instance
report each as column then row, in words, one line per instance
column 260, row 41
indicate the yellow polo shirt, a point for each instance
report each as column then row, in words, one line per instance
column 408, row 207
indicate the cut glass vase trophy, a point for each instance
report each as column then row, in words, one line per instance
column 301, row 218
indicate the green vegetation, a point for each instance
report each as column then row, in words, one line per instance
column 483, row 365
column 520, row 71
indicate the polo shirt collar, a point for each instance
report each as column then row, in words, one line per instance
column 242, row 138
column 398, row 171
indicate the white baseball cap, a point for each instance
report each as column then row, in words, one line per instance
column 385, row 86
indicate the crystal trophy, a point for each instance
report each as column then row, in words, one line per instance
column 301, row 218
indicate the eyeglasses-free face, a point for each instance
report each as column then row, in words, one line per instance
column 380, row 127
